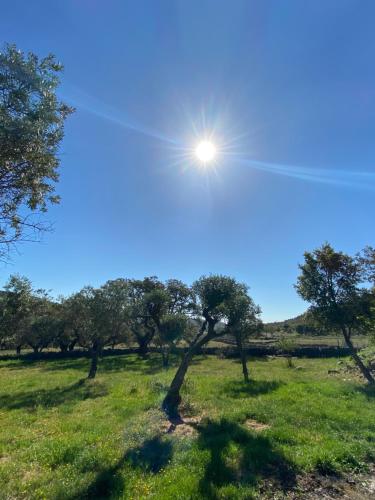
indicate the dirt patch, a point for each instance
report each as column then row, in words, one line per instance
column 182, row 427
column 253, row 425
column 318, row 487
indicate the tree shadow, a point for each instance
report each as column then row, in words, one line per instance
column 81, row 390
column 47, row 364
column 149, row 366
column 368, row 390
column 109, row 483
column 241, row 389
column 252, row 359
column 152, row 456
column 256, row 459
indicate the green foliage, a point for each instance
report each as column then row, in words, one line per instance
column 367, row 259
column 214, row 293
column 181, row 298
column 331, row 282
column 172, row 327
column 142, row 294
column 22, row 308
column 31, row 129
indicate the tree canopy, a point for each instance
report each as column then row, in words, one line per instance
column 333, row 283
column 31, row 129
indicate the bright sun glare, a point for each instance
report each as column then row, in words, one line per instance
column 205, row 151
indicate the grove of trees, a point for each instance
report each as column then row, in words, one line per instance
column 149, row 312
column 128, row 311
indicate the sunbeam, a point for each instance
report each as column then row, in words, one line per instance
column 347, row 178
column 82, row 100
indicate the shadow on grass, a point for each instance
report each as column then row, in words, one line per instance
column 255, row 459
column 237, row 458
column 240, row 389
column 107, row 363
column 83, row 389
column 252, row 359
column 152, row 456
column 368, row 390
column 48, row 364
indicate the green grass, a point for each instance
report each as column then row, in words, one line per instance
column 62, row 438
column 359, row 341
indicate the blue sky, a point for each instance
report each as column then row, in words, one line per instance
column 286, row 88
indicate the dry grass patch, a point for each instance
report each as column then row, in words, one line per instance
column 253, row 425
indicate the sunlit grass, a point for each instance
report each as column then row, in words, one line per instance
column 61, row 437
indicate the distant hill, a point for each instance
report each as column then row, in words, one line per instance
column 293, row 322
column 301, row 324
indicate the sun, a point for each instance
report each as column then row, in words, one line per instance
column 205, row 151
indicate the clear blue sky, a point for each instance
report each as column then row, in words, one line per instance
column 291, row 85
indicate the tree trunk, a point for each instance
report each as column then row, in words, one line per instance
column 18, row 349
column 35, row 349
column 165, row 356
column 72, row 345
column 173, row 397
column 243, row 357
column 143, row 348
column 364, row 370
column 244, row 365
column 94, row 361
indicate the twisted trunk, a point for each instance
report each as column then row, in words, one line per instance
column 363, row 368
column 173, row 397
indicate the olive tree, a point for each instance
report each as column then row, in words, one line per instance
column 146, row 302
column 214, row 297
column 100, row 317
column 44, row 331
column 115, row 294
column 18, row 301
column 93, row 331
column 75, row 320
column 331, row 282
column 171, row 329
column 169, row 308
column 31, row 129
column 367, row 259
column 243, row 321
column 180, row 297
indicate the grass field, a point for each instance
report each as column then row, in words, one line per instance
column 62, row 437
column 359, row 341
